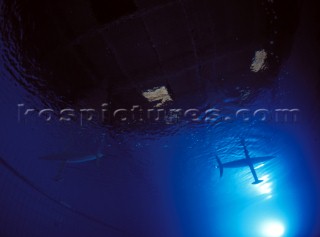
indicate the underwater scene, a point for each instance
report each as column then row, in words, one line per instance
column 159, row 118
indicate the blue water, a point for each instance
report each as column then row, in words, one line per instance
column 156, row 185
column 159, row 183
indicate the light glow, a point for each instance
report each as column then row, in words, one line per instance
column 265, row 187
column 259, row 166
column 273, row 229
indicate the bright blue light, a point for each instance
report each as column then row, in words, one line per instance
column 272, row 229
column 264, row 188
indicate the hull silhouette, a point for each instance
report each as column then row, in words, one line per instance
column 244, row 162
column 247, row 161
